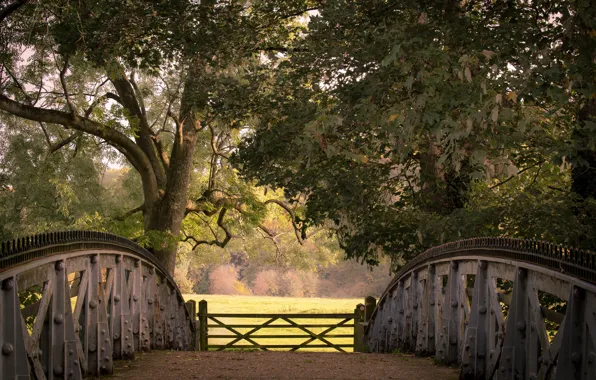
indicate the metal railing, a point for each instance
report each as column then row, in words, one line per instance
column 72, row 302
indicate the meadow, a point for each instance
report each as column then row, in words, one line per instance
column 278, row 305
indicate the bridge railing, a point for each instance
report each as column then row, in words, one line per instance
column 500, row 308
column 72, row 302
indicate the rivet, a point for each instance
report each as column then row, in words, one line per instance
column 93, row 259
column 521, row 326
column 415, row 306
column 135, row 298
column 104, row 367
column 92, row 348
column 162, row 308
column 432, row 302
column 71, row 372
column 58, row 370
column 116, row 298
column 7, row 349
column 93, row 304
column 8, row 284
column 70, row 352
column 137, row 263
column 59, row 266
column 107, row 340
column 576, row 357
column 482, row 309
column 401, row 311
column 150, row 301
column 58, row 319
column 126, row 322
column 116, row 336
column 103, row 332
column 453, row 303
column 532, row 326
column 75, row 362
column 130, row 345
column 467, row 347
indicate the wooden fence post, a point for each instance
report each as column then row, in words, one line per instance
column 369, row 306
column 203, row 325
column 359, row 328
column 191, row 306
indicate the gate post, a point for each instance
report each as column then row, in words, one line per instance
column 191, row 306
column 359, row 328
column 203, row 325
column 369, row 306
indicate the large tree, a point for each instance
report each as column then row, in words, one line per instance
column 156, row 81
column 411, row 123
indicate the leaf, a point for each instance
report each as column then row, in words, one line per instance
column 468, row 74
column 512, row 96
column 483, row 86
column 469, row 126
column 488, row 54
column 495, row 114
column 499, row 99
column 393, row 117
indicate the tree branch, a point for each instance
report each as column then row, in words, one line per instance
column 118, row 140
column 130, row 213
column 216, row 241
column 297, row 229
column 57, row 146
column 10, row 8
column 516, row 175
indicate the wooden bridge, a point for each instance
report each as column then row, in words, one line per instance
column 72, row 302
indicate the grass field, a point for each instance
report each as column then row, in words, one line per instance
column 278, row 305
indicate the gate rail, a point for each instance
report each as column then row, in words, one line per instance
column 350, row 320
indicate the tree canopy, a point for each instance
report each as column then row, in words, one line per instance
column 398, row 125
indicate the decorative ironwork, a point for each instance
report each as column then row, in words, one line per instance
column 477, row 302
column 72, row 302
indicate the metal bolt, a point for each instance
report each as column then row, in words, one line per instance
column 116, row 298
column 432, row 302
column 58, row 370
column 8, row 284
column 150, row 301
column 521, row 326
column 162, row 308
column 59, row 319
column 126, row 322
column 59, row 266
column 93, row 304
column 482, row 309
column 137, row 263
column 135, row 298
column 104, row 367
column 75, row 362
column 453, row 303
column 103, row 332
column 92, row 348
column 576, row 357
column 7, row 349
column 93, row 259
column 130, row 345
column 107, row 340
column 532, row 326
column 401, row 311
column 116, row 336
column 415, row 306
column 70, row 352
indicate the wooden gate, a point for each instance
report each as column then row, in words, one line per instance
column 304, row 326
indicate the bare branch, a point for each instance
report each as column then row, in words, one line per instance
column 130, row 213
column 216, row 241
column 517, row 174
column 297, row 229
column 64, row 88
column 57, row 146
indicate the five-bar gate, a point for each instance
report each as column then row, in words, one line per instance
column 305, row 336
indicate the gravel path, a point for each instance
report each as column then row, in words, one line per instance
column 165, row 365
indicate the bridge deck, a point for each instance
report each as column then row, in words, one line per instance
column 279, row 365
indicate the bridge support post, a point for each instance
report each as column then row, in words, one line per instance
column 359, row 345
column 203, row 342
column 476, row 340
column 13, row 358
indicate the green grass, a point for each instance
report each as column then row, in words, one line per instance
column 278, row 305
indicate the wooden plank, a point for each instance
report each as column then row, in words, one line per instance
column 318, row 336
column 242, row 326
column 219, row 346
column 293, row 316
column 282, row 336
column 232, row 330
column 247, row 334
